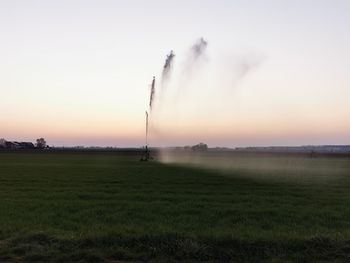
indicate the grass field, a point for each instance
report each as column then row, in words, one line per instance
column 70, row 207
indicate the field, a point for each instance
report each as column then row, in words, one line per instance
column 105, row 207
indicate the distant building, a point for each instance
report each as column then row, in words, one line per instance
column 16, row 145
column 12, row 145
column 26, row 145
column 2, row 143
column 201, row 147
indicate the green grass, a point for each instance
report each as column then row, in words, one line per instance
column 103, row 208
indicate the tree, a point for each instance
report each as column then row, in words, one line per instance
column 41, row 143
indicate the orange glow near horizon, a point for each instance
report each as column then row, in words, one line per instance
column 78, row 73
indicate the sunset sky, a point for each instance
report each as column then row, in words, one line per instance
column 77, row 72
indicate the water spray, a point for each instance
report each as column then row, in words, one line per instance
column 199, row 48
column 152, row 95
column 167, row 68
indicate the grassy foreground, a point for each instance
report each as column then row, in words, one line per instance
column 110, row 208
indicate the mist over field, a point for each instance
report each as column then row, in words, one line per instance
column 296, row 168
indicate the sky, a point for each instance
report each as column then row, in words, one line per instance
column 78, row 72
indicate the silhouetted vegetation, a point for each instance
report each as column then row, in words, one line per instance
column 41, row 143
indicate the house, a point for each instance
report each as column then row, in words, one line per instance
column 26, row 145
column 16, row 145
column 12, row 145
column 2, row 143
